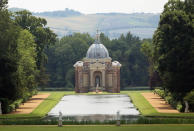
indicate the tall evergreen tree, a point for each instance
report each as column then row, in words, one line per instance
column 173, row 42
column 8, row 55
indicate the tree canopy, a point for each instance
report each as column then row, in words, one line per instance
column 3, row 4
column 44, row 37
column 173, row 47
column 8, row 56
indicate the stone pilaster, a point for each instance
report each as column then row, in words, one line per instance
column 118, row 80
column 76, row 81
column 103, row 78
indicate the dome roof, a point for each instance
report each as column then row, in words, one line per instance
column 97, row 50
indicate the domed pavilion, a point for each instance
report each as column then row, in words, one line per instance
column 97, row 72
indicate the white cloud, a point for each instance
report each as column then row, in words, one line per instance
column 91, row 6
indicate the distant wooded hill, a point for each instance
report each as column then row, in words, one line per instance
column 68, row 21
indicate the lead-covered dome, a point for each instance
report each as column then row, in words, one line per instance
column 97, row 50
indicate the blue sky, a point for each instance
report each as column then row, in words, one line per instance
column 91, row 6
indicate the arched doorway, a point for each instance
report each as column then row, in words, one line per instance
column 97, row 78
column 97, row 81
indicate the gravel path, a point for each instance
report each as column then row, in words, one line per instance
column 158, row 103
column 31, row 104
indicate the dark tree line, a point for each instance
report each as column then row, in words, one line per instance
column 23, row 39
column 126, row 50
column 62, row 56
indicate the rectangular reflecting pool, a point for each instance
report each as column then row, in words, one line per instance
column 95, row 107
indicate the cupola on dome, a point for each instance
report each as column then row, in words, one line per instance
column 97, row 50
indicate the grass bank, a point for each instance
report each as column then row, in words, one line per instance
column 43, row 108
column 101, row 128
column 147, row 110
column 144, row 107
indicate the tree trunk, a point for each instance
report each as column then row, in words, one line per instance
column 186, row 106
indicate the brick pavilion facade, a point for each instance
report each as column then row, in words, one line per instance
column 97, row 72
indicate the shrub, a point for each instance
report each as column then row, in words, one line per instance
column 179, row 106
column 17, row 103
column 5, row 105
column 160, row 92
column 11, row 107
column 169, row 98
column 8, row 106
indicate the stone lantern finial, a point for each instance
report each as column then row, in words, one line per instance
column 97, row 36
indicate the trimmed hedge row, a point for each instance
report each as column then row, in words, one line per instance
column 72, row 89
column 9, row 105
column 169, row 99
column 136, row 88
column 141, row 120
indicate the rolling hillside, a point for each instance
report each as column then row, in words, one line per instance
column 112, row 24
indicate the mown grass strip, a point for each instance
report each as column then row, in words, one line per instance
column 101, row 128
column 144, row 107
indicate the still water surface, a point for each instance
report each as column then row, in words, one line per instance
column 93, row 105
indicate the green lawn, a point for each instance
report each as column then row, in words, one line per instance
column 101, row 128
column 146, row 108
column 140, row 102
column 49, row 103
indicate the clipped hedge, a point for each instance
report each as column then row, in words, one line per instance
column 136, row 88
column 141, row 120
column 5, row 105
column 9, row 105
column 167, row 96
column 160, row 92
